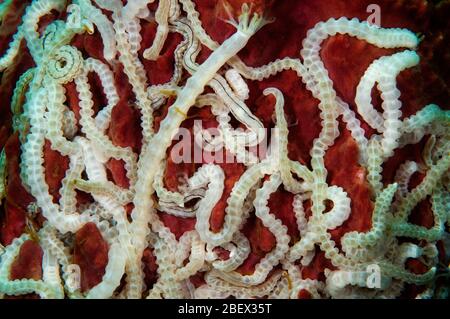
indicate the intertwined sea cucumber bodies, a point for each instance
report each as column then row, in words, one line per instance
column 348, row 200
